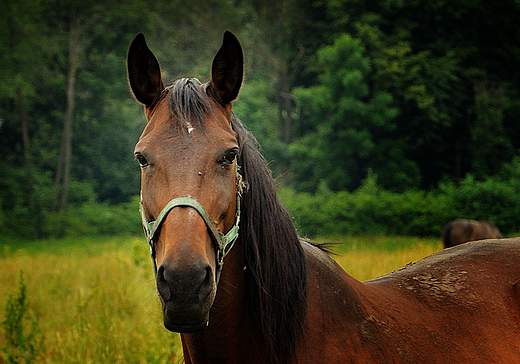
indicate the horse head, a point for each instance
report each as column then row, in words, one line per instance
column 190, row 181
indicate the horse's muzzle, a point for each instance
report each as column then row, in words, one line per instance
column 186, row 294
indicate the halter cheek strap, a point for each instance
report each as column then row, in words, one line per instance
column 223, row 242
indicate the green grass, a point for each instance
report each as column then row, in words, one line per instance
column 66, row 246
column 93, row 300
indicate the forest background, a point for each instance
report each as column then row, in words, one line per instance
column 377, row 117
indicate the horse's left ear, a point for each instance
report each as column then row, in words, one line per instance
column 227, row 70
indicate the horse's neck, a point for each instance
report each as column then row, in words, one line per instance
column 330, row 286
column 338, row 309
column 337, row 303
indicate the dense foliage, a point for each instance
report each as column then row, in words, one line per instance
column 420, row 96
column 372, row 210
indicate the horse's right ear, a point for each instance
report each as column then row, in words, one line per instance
column 144, row 72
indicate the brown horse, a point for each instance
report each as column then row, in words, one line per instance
column 461, row 231
column 278, row 299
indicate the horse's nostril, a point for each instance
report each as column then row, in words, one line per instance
column 207, row 284
column 209, row 275
column 160, row 274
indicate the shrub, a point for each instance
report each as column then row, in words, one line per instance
column 95, row 219
column 23, row 344
column 493, row 199
column 372, row 210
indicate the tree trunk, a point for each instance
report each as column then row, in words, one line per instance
column 26, row 145
column 62, row 180
column 12, row 36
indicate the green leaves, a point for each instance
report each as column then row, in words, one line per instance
column 341, row 115
column 418, row 92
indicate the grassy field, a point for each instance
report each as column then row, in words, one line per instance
column 94, row 301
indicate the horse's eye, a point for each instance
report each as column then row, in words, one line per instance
column 143, row 162
column 229, row 157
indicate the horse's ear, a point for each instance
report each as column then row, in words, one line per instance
column 144, row 72
column 227, row 70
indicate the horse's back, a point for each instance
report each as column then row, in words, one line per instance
column 456, row 232
column 460, row 305
column 488, row 231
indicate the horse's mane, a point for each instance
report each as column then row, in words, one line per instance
column 275, row 274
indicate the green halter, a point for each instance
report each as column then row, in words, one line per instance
column 223, row 242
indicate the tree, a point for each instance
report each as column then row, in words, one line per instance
column 81, row 29
column 23, row 78
column 488, row 133
column 342, row 117
column 280, row 38
column 432, row 56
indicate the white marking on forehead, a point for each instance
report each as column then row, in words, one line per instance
column 189, row 126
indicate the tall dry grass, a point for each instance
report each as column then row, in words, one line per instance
column 366, row 258
column 92, row 307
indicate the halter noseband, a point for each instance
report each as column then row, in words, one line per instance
column 223, row 242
